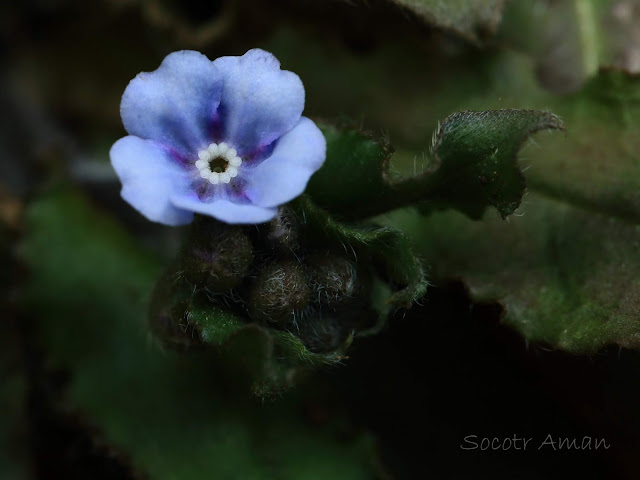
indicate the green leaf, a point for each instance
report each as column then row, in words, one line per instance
column 565, row 276
column 476, row 159
column 597, row 166
column 569, row 268
column 474, row 166
column 88, row 288
column 476, row 20
column 564, row 271
column 352, row 180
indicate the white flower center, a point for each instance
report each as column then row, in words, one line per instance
column 218, row 163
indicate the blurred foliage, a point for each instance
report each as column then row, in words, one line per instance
column 476, row 20
column 13, row 384
column 172, row 413
column 564, row 276
column 597, row 166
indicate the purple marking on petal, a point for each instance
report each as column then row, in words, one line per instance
column 203, row 189
column 237, row 191
column 178, row 157
column 174, row 104
column 260, row 102
column 216, row 128
column 260, row 154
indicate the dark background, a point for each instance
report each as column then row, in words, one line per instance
column 439, row 372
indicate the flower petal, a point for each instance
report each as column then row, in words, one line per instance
column 285, row 174
column 176, row 104
column 149, row 176
column 260, row 102
column 224, row 210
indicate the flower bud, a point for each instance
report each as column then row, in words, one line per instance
column 334, row 278
column 281, row 234
column 168, row 315
column 279, row 293
column 217, row 255
column 322, row 333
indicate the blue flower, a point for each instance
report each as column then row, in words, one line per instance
column 223, row 138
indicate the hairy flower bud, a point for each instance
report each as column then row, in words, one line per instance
column 217, row 256
column 334, row 278
column 322, row 333
column 281, row 233
column 279, row 293
column 168, row 315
